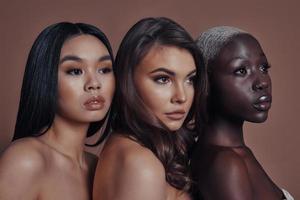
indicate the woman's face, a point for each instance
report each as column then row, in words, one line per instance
column 164, row 80
column 86, row 81
column 240, row 82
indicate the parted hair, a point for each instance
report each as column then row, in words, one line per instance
column 38, row 101
column 133, row 119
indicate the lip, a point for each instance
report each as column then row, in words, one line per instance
column 263, row 103
column 176, row 115
column 94, row 103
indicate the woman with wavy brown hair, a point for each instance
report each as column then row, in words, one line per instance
column 158, row 70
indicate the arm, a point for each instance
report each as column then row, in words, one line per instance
column 20, row 169
column 228, row 178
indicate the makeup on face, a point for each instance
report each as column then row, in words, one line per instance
column 94, row 103
column 85, row 79
column 241, row 85
column 165, row 82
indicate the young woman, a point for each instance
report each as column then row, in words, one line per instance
column 146, row 157
column 68, row 83
column 239, row 90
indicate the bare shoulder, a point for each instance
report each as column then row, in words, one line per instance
column 140, row 173
column 142, row 160
column 229, row 161
column 228, row 176
column 135, row 159
column 21, row 166
column 26, row 154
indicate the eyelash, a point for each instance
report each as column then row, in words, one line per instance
column 192, row 79
column 241, row 71
column 77, row 71
column 74, row 72
column 162, row 79
column 264, row 68
column 166, row 79
column 105, row 70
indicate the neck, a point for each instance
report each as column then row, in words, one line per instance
column 223, row 131
column 68, row 138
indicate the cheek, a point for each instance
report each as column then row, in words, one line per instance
column 190, row 92
column 153, row 95
column 68, row 89
column 232, row 96
column 69, row 94
column 239, row 99
column 108, row 87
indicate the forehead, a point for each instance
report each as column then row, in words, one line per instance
column 83, row 44
column 171, row 57
column 244, row 45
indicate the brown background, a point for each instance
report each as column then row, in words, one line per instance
column 275, row 24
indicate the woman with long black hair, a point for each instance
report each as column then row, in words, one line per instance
column 67, row 90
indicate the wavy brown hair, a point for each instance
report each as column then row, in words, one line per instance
column 132, row 117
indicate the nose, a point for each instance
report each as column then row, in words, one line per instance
column 261, row 83
column 179, row 95
column 92, row 83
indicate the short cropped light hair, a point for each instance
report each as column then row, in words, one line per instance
column 214, row 39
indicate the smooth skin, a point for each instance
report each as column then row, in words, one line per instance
column 55, row 165
column 127, row 170
column 240, row 91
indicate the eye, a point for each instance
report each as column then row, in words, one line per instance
column 242, row 71
column 192, row 79
column 74, row 71
column 105, row 70
column 162, row 79
column 264, row 68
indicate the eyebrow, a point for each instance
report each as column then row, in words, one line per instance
column 192, row 72
column 161, row 69
column 103, row 58
column 242, row 57
column 78, row 59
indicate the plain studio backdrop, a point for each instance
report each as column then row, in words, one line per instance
column 276, row 24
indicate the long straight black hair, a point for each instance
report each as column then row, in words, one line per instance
column 38, row 101
column 133, row 119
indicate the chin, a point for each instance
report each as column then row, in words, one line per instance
column 259, row 118
column 94, row 117
column 174, row 126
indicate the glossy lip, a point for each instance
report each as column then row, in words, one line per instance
column 176, row 115
column 263, row 103
column 94, row 103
